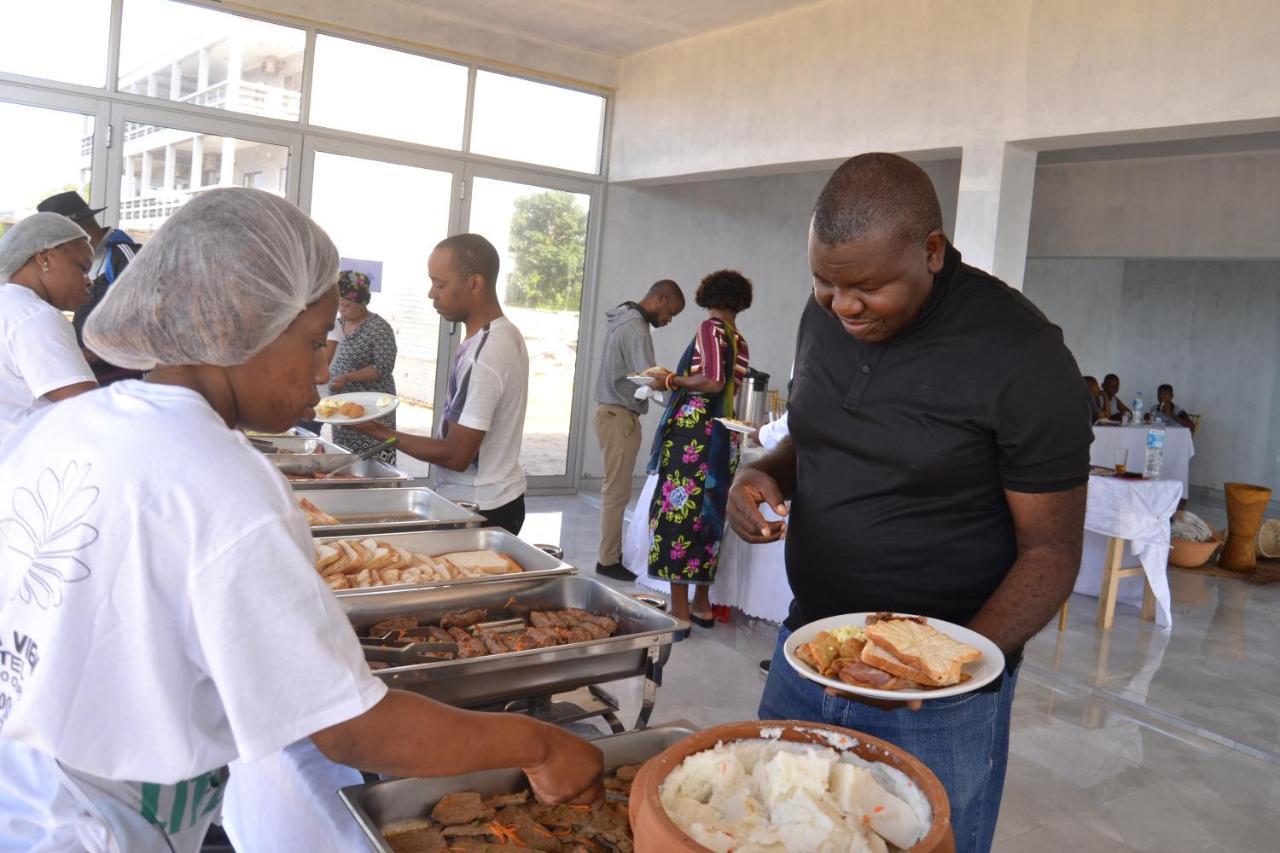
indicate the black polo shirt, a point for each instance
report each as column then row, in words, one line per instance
column 905, row 449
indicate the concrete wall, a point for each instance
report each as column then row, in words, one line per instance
column 843, row 76
column 1209, row 328
column 1208, row 206
column 758, row 225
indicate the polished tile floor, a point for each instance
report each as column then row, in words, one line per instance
column 1136, row 739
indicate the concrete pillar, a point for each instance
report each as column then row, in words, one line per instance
column 144, row 181
column 993, row 213
column 197, row 161
column 170, row 166
column 175, row 81
column 202, row 69
column 227, row 178
column 153, row 87
column 235, row 59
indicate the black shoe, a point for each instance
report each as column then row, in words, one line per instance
column 703, row 622
column 616, row 571
column 764, row 668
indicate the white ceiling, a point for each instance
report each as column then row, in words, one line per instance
column 615, row 28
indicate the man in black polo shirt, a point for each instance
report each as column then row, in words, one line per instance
column 937, row 465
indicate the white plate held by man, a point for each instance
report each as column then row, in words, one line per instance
column 355, row 407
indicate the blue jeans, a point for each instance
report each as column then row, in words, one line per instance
column 963, row 739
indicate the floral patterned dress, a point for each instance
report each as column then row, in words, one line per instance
column 374, row 342
column 696, row 458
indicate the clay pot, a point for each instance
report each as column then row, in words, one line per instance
column 1246, row 505
column 655, row 832
column 1192, row 555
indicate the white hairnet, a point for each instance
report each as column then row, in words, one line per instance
column 34, row 234
column 220, row 280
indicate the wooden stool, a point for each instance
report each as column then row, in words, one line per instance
column 1113, row 572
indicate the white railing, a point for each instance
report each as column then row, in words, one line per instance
column 253, row 98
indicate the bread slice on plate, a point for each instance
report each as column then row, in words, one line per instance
column 476, row 563
column 930, row 656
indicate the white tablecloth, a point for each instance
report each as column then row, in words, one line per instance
column 752, row 578
column 1178, row 450
column 1137, row 511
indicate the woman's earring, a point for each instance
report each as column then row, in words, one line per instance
column 44, row 266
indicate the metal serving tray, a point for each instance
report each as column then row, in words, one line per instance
column 288, row 445
column 639, row 648
column 378, row 804
column 389, row 510
column 368, row 474
column 535, row 561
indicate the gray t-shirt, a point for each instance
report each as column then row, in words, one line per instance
column 628, row 349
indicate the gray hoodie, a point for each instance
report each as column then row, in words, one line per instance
column 628, row 349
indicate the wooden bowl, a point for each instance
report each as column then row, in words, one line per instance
column 656, row 832
column 1192, row 555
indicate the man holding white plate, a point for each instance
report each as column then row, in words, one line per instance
column 937, row 465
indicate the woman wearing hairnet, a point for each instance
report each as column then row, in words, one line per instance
column 151, row 565
column 44, row 267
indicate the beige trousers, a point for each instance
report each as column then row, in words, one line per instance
column 618, row 431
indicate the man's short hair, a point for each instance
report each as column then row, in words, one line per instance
column 874, row 194
column 668, row 288
column 1163, row 387
column 473, row 255
column 1109, row 377
column 1089, row 379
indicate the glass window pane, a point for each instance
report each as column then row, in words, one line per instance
column 200, row 56
column 362, row 88
column 536, row 123
column 541, row 238
column 409, row 202
column 45, row 152
column 62, row 40
column 164, row 167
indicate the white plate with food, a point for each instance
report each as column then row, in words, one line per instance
column 893, row 656
column 355, row 407
column 733, row 425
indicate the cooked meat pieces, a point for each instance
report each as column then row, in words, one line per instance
column 528, row 830
column 609, row 824
column 468, row 646
column 416, row 839
column 548, row 619
column 499, row 801
column 627, row 772
column 535, row 638
column 467, row 830
column 493, row 643
column 574, row 635
column 395, row 623
column 463, row 620
column 440, row 635
column 560, row 817
column 456, row 809
column 583, row 616
column 481, row 845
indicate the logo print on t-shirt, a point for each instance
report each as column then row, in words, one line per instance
column 46, row 529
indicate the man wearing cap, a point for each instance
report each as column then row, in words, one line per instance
column 113, row 249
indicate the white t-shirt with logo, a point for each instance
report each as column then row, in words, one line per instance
column 160, row 613
column 38, row 354
column 488, row 390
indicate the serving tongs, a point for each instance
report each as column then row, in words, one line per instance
column 406, row 647
column 327, row 463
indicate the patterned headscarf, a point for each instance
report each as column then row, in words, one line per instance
column 354, row 286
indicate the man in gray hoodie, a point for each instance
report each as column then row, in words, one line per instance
column 628, row 349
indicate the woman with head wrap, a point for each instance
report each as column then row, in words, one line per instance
column 152, row 560
column 44, row 267
column 365, row 358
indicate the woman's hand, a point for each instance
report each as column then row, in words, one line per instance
column 338, row 383
column 660, row 379
column 373, row 429
column 572, row 771
column 750, row 489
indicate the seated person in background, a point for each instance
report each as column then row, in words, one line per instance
column 1113, row 408
column 1097, row 399
column 1169, row 412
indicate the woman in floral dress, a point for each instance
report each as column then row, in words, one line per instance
column 694, row 455
column 365, row 358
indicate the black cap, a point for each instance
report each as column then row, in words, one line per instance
column 70, row 204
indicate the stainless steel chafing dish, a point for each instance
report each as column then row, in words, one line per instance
column 535, row 561
column 640, row 646
column 379, row 804
column 366, row 474
column 378, row 511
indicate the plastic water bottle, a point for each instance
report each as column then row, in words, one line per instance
column 1155, row 453
column 1137, row 408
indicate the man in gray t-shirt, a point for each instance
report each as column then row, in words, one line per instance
column 628, row 349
